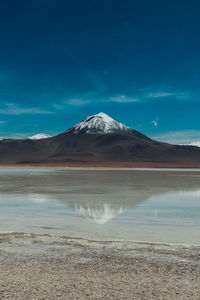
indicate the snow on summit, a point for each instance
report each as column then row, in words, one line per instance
column 195, row 143
column 99, row 123
column 39, row 136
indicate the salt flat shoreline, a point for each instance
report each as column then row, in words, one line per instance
column 117, row 166
column 50, row 265
column 105, row 168
column 46, row 266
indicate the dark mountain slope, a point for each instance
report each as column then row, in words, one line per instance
column 96, row 139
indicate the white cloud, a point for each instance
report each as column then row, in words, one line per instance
column 165, row 94
column 95, row 99
column 160, row 94
column 122, row 99
column 18, row 136
column 178, row 137
column 77, row 102
column 155, row 123
column 13, row 109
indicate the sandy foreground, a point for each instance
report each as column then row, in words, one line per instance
column 47, row 266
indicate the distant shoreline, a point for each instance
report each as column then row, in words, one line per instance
column 120, row 165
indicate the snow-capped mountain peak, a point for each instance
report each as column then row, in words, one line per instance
column 195, row 143
column 99, row 124
column 39, row 136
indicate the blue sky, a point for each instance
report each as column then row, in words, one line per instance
column 138, row 61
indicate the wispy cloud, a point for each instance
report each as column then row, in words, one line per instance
column 18, row 136
column 94, row 98
column 77, row 102
column 178, row 137
column 13, row 109
column 122, row 99
column 160, row 94
column 155, row 123
column 166, row 94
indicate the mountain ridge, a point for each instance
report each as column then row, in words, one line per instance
column 96, row 139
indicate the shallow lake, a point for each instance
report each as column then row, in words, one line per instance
column 142, row 205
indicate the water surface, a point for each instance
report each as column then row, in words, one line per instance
column 103, row 204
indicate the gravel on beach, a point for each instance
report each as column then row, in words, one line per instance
column 43, row 266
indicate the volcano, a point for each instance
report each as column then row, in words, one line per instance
column 96, row 139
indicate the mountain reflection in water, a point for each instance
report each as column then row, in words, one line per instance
column 101, row 214
column 119, row 204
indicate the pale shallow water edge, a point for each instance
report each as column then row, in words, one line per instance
column 161, row 207
column 21, row 243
